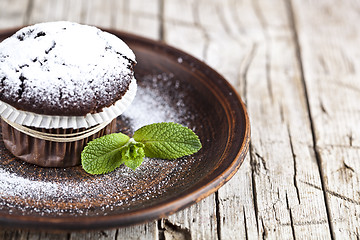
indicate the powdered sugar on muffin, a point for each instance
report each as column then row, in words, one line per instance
column 64, row 68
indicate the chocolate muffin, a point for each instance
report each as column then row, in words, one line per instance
column 62, row 84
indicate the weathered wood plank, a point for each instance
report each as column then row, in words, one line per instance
column 196, row 222
column 43, row 236
column 98, row 13
column 179, row 11
column 226, row 51
column 281, row 154
column 52, row 10
column 31, row 235
column 13, row 13
column 139, row 232
column 278, row 192
column 101, row 235
column 328, row 36
column 138, row 17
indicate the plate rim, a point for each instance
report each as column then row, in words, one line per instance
column 158, row 210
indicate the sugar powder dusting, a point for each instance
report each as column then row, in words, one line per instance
column 36, row 190
column 64, row 64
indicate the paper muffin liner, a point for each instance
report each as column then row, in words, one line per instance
column 48, row 153
column 47, row 121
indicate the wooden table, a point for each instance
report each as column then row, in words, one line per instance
column 296, row 64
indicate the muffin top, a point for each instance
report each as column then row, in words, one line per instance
column 64, row 69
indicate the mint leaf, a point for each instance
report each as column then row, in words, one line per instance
column 158, row 140
column 103, row 155
column 167, row 140
column 133, row 154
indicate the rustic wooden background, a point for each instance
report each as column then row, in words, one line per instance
column 296, row 64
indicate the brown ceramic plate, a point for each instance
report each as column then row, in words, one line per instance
column 173, row 86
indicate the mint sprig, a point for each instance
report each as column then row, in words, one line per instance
column 165, row 140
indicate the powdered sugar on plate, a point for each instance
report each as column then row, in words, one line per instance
column 149, row 100
column 30, row 189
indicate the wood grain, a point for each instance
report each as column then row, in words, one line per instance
column 296, row 63
column 14, row 13
column 280, row 203
column 328, row 45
